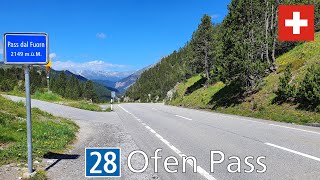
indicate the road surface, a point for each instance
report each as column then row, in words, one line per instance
column 291, row 151
column 288, row 151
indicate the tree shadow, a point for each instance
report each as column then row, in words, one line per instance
column 279, row 100
column 59, row 157
column 197, row 85
column 309, row 107
column 300, row 104
column 230, row 95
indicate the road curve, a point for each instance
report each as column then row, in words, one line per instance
column 289, row 151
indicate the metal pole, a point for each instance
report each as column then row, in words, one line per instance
column 48, row 83
column 29, row 123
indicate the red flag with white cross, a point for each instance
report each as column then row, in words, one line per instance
column 296, row 23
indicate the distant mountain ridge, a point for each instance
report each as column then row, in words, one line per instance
column 116, row 84
column 113, row 81
column 123, row 84
column 104, row 75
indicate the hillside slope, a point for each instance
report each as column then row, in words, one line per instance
column 123, row 84
column 223, row 99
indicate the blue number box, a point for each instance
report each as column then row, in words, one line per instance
column 103, row 162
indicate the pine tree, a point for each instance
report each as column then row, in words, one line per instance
column 245, row 50
column 202, row 42
column 61, row 83
column 89, row 93
column 309, row 90
column 286, row 91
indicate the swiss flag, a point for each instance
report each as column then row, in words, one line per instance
column 296, row 23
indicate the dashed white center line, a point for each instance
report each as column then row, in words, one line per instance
column 200, row 170
column 184, row 117
column 293, row 151
column 294, row 129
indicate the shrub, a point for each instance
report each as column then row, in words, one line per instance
column 309, row 89
column 286, row 91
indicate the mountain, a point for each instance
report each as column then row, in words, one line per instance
column 104, row 93
column 81, row 78
column 123, row 84
column 106, row 83
column 103, row 75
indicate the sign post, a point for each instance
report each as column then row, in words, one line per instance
column 113, row 95
column 26, row 49
column 29, row 122
column 48, row 67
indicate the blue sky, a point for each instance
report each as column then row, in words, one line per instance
column 114, row 35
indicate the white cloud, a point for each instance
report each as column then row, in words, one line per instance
column 52, row 55
column 215, row 16
column 101, row 35
column 96, row 65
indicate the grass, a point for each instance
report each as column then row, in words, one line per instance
column 55, row 98
column 260, row 104
column 40, row 175
column 50, row 133
column 198, row 99
column 46, row 96
column 108, row 109
column 85, row 105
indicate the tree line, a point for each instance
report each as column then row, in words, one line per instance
column 67, row 86
column 240, row 51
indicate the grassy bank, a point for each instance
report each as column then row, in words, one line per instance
column 55, row 98
column 50, row 133
column 221, row 98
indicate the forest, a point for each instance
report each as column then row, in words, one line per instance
column 65, row 84
column 240, row 52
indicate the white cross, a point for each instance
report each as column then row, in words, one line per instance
column 296, row 23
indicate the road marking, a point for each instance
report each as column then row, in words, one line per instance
column 124, row 109
column 243, row 119
column 184, row 117
column 295, row 129
column 200, row 170
column 293, row 151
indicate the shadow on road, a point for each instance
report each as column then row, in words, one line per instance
column 59, row 157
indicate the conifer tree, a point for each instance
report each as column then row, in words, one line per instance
column 89, row 93
column 202, row 42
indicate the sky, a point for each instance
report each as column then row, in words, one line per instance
column 109, row 35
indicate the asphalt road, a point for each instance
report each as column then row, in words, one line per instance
column 97, row 129
column 290, row 151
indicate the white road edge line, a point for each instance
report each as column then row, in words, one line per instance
column 200, row 170
column 184, row 117
column 293, row 151
column 294, row 128
column 124, row 110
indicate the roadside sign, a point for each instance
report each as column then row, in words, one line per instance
column 48, row 66
column 49, row 63
column 26, row 48
column 113, row 94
